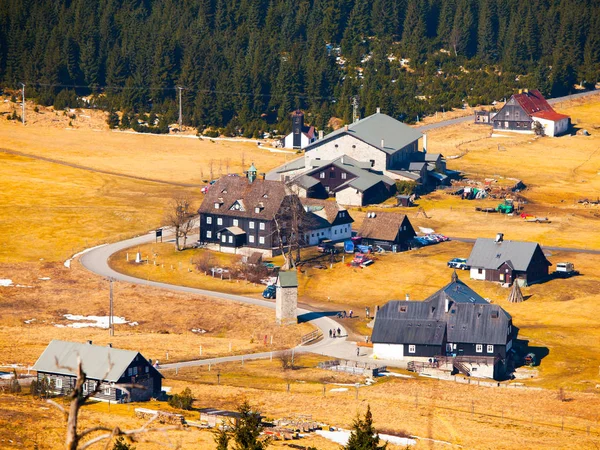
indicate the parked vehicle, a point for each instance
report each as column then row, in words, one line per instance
column 270, row 291
column 361, row 260
column 565, row 270
column 349, row 247
column 458, row 263
column 326, row 246
column 364, row 248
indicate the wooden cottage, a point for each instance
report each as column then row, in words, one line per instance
column 454, row 325
column 508, row 261
column 387, row 230
column 104, row 366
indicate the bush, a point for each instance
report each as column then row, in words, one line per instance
column 120, row 444
column 14, row 387
column 406, row 187
column 42, row 388
column 36, row 109
column 112, row 120
column 66, row 99
column 210, row 133
column 183, row 400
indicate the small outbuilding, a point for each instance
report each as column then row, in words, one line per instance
column 286, row 299
column 387, row 230
column 105, row 367
column 508, row 261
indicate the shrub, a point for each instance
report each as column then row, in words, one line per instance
column 210, row 133
column 66, row 99
column 112, row 120
column 406, row 187
column 120, row 444
column 36, row 109
column 183, row 400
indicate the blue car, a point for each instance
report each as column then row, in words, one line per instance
column 270, row 291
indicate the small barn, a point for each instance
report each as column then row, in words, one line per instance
column 387, row 230
column 508, row 261
column 105, row 367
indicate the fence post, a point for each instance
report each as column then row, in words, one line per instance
column 288, row 388
column 324, row 396
column 472, row 408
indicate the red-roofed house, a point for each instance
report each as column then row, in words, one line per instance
column 522, row 110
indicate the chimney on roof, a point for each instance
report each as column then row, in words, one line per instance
column 378, row 110
column 382, row 143
column 499, row 238
column 407, row 297
column 346, row 127
column 342, row 160
column 89, row 342
column 526, row 91
column 447, row 305
column 109, row 345
column 320, row 134
column 520, row 91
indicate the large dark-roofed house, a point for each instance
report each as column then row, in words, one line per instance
column 58, row 364
column 455, row 325
column 508, row 261
column 386, row 230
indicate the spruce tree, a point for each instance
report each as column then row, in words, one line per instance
column 363, row 435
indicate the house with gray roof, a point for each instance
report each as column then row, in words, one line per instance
column 106, row 369
column 505, row 262
column 455, row 327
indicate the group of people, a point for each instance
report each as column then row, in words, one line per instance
column 335, row 333
column 343, row 315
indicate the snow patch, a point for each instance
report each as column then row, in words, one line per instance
column 29, row 321
column 93, row 321
column 5, row 282
column 44, row 278
column 198, row 330
column 338, row 390
column 426, row 230
column 68, row 261
column 23, row 286
column 341, row 437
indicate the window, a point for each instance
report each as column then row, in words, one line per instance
column 312, row 235
column 331, row 174
column 208, row 219
column 147, row 369
column 223, row 238
column 106, row 390
column 517, row 114
column 219, row 221
column 208, row 234
column 235, row 222
column 261, row 240
column 135, row 372
column 251, row 239
column 261, row 226
column 412, row 348
column 231, row 239
column 490, row 349
column 334, row 231
column 480, row 271
column 322, row 175
column 479, row 348
column 251, row 225
column 344, row 175
column 217, row 205
column 129, row 371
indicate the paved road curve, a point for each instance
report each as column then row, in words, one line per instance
column 96, row 260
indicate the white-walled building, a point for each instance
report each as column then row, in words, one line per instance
column 301, row 136
column 328, row 221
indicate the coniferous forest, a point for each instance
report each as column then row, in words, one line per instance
column 244, row 65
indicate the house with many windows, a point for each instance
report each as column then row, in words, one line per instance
column 327, row 220
column 453, row 329
column 105, row 367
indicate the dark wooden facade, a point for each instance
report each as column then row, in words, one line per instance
column 139, row 372
column 259, row 233
column 537, row 270
column 405, row 233
column 331, row 177
column 512, row 117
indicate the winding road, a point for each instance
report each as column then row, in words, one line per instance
column 96, row 261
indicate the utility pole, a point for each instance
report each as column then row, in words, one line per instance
column 23, row 104
column 355, row 100
column 111, row 322
column 180, row 109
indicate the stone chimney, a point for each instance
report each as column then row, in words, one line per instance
column 89, row 342
column 382, row 143
column 109, row 345
column 407, row 297
column 320, row 134
column 378, row 110
column 499, row 238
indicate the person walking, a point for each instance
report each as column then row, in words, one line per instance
column 339, row 332
column 330, row 332
column 357, row 351
column 334, row 332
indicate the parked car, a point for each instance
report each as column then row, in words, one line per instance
column 270, row 291
column 326, row 246
column 458, row 263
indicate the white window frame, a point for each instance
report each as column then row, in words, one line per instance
column 129, row 371
column 235, row 222
column 58, row 383
column 135, row 371
column 223, row 238
column 261, row 226
column 261, row 240
column 412, row 348
column 251, row 224
column 490, row 348
column 208, row 234
column 343, row 175
column 85, row 387
column 219, row 221
column 251, row 239
column 208, row 220
column 479, row 348
column 230, row 239
column 106, row 390
column 322, row 175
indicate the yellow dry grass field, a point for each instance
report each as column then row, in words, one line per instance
column 181, row 159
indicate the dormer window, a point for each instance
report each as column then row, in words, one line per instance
column 265, row 196
column 224, row 191
column 257, row 209
column 217, row 205
column 403, row 309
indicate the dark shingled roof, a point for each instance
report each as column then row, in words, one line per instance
column 489, row 254
column 470, row 319
column 227, row 191
column 327, row 210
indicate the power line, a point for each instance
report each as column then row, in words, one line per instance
column 176, row 88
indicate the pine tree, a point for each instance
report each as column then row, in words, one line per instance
column 414, row 35
column 221, row 437
column 246, row 431
column 363, row 435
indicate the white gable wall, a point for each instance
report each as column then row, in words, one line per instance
column 349, row 197
column 288, row 141
column 388, row 351
column 553, row 128
column 348, row 145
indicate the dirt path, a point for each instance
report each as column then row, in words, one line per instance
column 91, row 169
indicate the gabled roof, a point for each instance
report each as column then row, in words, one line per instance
column 532, row 101
column 469, row 319
column 550, row 115
column 60, row 357
column 296, row 164
column 326, row 209
column 373, row 130
column 384, row 226
column 269, row 195
column 236, row 231
column 489, row 254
